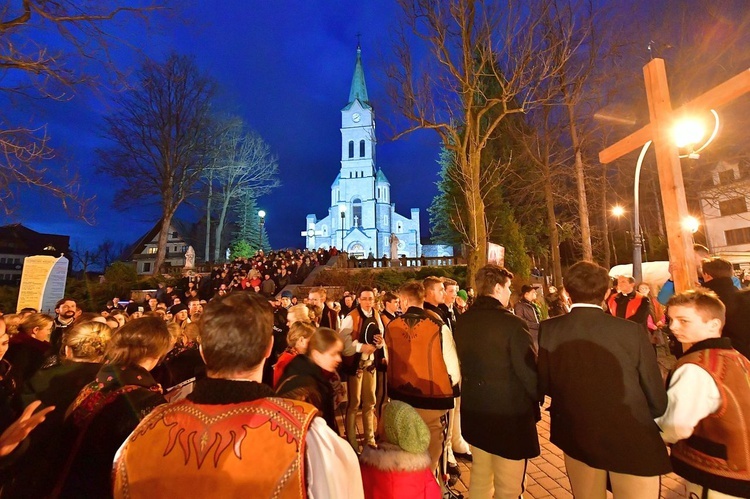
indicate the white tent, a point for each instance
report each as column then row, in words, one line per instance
column 654, row 273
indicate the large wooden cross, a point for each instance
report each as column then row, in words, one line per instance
column 662, row 117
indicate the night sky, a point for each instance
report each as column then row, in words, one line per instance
column 286, row 69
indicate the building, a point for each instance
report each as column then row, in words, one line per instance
column 143, row 252
column 725, row 211
column 362, row 217
column 17, row 242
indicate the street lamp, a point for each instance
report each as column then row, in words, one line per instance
column 691, row 224
column 686, row 133
column 342, row 211
column 261, row 222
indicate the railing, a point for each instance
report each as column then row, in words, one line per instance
column 422, row 261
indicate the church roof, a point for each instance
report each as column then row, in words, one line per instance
column 336, row 181
column 359, row 89
column 380, row 177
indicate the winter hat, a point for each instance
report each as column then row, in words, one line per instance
column 175, row 309
column 404, row 427
column 287, row 294
column 462, row 293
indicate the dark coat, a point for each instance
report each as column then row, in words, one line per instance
column 306, row 381
column 499, row 409
column 606, row 390
column 737, row 303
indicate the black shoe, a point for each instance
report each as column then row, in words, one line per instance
column 465, row 457
column 452, row 494
column 453, row 470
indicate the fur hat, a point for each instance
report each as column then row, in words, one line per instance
column 404, row 427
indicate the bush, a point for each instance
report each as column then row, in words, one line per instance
column 388, row 279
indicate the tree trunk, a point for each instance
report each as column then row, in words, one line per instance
column 477, row 247
column 554, row 234
column 161, row 250
column 605, row 219
column 220, row 228
column 583, row 207
column 207, row 253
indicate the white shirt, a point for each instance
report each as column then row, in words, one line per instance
column 692, row 395
column 331, row 466
column 351, row 345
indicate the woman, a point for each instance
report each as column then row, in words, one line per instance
column 308, row 377
column 297, row 340
column 30, row 346
column 108, row 410
column 84, row 346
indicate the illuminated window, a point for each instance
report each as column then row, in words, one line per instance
column 151, row 250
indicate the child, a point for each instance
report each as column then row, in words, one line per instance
column 400, row 466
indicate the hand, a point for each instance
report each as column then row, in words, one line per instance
column 378, row 338
column 20, row 429
column 367, row 349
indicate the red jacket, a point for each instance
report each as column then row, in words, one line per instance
column 389, row 472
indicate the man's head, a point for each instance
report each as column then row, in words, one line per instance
column 528, row 292
column 700, row 253
column 317, row 298
column 66, row 309
column 348, row 300
column 390, row 302
column 194, row 306
column 286, row 299
column 434, row 290
column 451, row 289
column 411, row 294
column 625, row 284
column 152, row 303
column 696, row 315
column 493, row 280
column 366, row 299
column 587, row 282
column 236, row 334
column 716, row 267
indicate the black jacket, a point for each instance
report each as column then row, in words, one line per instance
column 737, row 326
column 499, row 409
column 606, row 390
column 304, row 380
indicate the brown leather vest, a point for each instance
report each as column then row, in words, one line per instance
column 729, row 427
column 416, row 369
column 185, row 449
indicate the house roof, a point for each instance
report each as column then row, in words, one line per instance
column 184, row 229
column 20, row 240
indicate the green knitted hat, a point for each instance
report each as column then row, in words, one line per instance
column 404, row 427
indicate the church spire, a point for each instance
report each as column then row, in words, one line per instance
column 359, row 89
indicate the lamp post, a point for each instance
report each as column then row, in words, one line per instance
column 261, row 222
column 686, row 133
column 342, row 211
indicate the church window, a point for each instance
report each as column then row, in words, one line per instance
column 399, row 227
column 351, row 148
column 357, row 212
column 350, row 174
column 361, row 148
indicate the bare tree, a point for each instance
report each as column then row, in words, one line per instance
column 470, row 42
column 242, row 164
column 47, row 49
column 83, row 259
column 162, row 133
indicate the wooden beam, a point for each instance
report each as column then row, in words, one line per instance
column 712, row 99
column 681, row 255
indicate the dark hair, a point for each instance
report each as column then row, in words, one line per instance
column 587, row 282
column 705, row 303
column 235, row 332
column 414, row 291
column 322, row 340
column 489, row 276
column 389, row 296
column 139, row 339
column 61, row 301
column 364, row 289
column 717, row 267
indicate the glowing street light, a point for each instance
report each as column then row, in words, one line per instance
column 618, row 211
column 691, row 224
column 687, row 132
column 261, row 222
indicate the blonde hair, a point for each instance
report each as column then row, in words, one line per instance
column 298, row 313
column 137, row 340
column 30, row 322
column 299, row 330
column 11, row 323
column 87, row 340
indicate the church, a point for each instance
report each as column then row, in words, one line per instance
column 362, row 218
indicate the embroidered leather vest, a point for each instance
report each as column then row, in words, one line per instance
column 631, row 308
column 417, row 373
column 185, row 449
column 720, row 443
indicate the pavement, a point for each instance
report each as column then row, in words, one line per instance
column 546, row 475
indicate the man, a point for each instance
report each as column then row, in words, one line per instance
column 434, row 296
column 449, row 300
column 328, row 317
column 700, row 253
column 347, row 304
column 66, row 315
column 628, row 303
column 708, row 401
column 195, row 309
column 526, row 309
column 362, row 333
column 423, row 368
column 499, row 407
column 390, row 308
column 717, row 276
column 268, row 287
column 606, row 388
column 231, row 435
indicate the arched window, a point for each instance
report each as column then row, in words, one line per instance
column 356, row 212
column 361, row 148
column 351, row 148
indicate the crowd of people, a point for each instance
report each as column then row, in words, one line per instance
column 246, row 391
